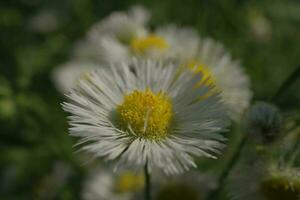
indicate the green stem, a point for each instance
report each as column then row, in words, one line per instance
column 222, row 178
column 286, row 84
column 147, row 183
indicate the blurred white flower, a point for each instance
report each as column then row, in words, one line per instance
column 169, row 42
column 103, row 184
column 182, row 42
column 44, row 21
column 65, row 76
column 229, row 77
column 184, row 45
column 123, row 26
column 259, row 25
column 109, row 40
column 147, row 112
column 122, row 35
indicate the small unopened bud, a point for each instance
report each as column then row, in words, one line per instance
column 264, row 122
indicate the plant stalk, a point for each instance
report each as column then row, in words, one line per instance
column 286, row 84
column 222, row 178
column 147, row 183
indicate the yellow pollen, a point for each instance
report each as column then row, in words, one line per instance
column 144, row 44
column 149, row 115
column 199, row 68
column 207, row 78
column 129, row 182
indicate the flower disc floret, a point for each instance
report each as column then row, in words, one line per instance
column 144, row 44
column 147, row 114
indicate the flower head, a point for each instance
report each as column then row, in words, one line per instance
column 66, row 76
column 145, row 44
column 103, row 184
column 264, row 122
column 110, row 40
column 147, row 112
column 226, row 73
column 182, row 42
column 123, row 26
column 122, row 35
column 138, row 105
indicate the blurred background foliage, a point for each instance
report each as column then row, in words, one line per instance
column 37, row 160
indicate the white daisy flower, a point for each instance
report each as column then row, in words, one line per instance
column 65, row 76
column 147, row 113
column 167, row 42
column 212, row 60
column 108, row 40
column 182, row 42
column 259, row 25
column 123, row 26
column 271, row 182
column 122, row 35
column 184, row 45
column 45, row 21
column 103, row 184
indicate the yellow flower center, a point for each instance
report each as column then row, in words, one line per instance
column 279, row 188
column 199, row 68
column 150, row 42
column 129, row 182
column 147, row 114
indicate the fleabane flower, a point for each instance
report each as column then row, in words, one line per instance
column 122, row 35
column 66, row 75
column 103, row 184
column 182, row 42
column 227, row 74
column 168, row 42
column 147, row 113
column 110, row 39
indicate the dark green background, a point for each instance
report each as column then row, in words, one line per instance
column 33, row 128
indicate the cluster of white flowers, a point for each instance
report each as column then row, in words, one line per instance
column 122, row 35
column 103, row 184
column 156, row 98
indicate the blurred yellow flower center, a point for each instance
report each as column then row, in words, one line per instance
column 129, row 182
column 147, row 114
column 280, row 188
column 143, row 44
column 199, row 68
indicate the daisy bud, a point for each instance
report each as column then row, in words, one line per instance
column 264, row 122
